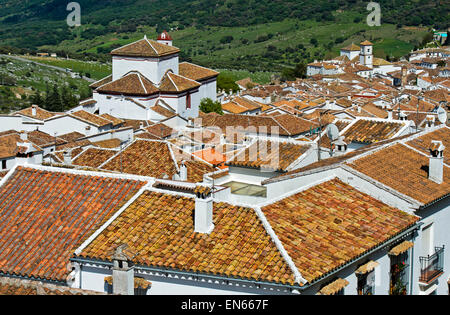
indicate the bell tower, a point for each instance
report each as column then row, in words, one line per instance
column 366, row 54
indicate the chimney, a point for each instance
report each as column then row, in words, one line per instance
column 123, row 273
column 23, row 136
column 34, row 110
column 183, row 172
column 390, row 114
column 141, row 125
column 430, row 122
column 203, row 213
column 67, row 157
column 436, row 167
column 340, row 146
column 404, row 76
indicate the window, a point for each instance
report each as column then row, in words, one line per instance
column 4, row 165
column 399, row 274
column 366, row 284
column 188, row 101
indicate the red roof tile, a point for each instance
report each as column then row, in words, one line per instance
column 45, row 215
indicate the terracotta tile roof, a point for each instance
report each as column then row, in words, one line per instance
column 284, row 125
column 334, row 287
column 238, row 247
column 93, row 157
column 41, row 114
column 46, row 215
column 160, row 130
column 132, row 84
column 163, row 111
column 116, row 121
column 108, row 144
column 423, row 142
column 401, row 248
column 212, row 156
column 91, row 118
column 234, row 108
column 147, row 136
column 309, row 223
column 43, row 139
column 72, row 136
column 269, row 155
column 352, row 47
column 9, row 145
column 10, row 286
column 195, row 72
column 366, row 43
column 370, row 131
column 101, row 82
column 145, row 48
column 145, row 158
column 172, row 83
column 404, row 170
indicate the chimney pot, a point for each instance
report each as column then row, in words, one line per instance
column 436, row 167
column 183, row 172
column 34, row 110
column 123, row 273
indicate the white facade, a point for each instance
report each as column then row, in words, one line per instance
column 152, row 68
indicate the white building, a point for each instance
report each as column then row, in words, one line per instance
column 147, row 71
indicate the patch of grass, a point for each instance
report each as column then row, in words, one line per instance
column 96, row 70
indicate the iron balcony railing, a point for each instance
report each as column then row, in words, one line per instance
column 432, row 266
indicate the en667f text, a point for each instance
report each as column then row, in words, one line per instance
column 246, row 304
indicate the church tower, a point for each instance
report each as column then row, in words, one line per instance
column 366, row 54
column 165, row 38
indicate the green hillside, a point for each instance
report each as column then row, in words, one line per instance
column 223, row 34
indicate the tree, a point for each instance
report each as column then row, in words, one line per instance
column 290, row 74
column 227, row 84
column 207, row 106
column 53, row 100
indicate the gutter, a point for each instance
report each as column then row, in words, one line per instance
column 256, row 283
column 187, row 274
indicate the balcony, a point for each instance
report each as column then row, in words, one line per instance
column 432, row 267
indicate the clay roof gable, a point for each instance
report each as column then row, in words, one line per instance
column 404, row 170
column 195, row 72
column 145, row 48
column 238, row 247
column 309, row 223
column 132, row 83
column 176, row 84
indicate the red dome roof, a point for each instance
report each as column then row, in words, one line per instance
column 164, row 36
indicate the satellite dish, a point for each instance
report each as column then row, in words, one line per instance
column 442, row 115
column 332, row 132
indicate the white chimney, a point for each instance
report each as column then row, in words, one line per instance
column 33, row 110
column 203, row 217
column 436, row 167
column 67, row 157
column 123, row 273
column 183, row 172
column 390, row 114
column 23, row 136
